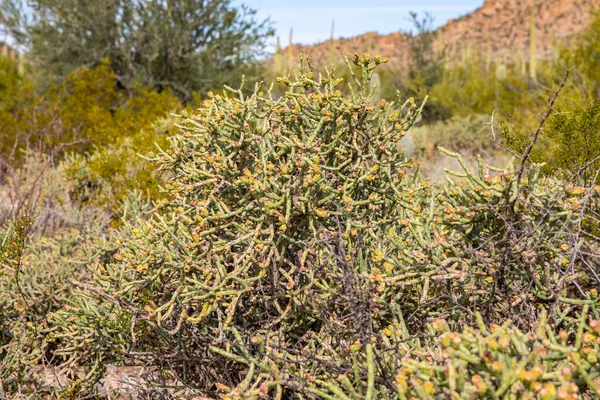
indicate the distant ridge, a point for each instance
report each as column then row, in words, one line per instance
column 498, row 29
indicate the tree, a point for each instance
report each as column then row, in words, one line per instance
column 427, row 63
column 183, row 45
column 583, row 51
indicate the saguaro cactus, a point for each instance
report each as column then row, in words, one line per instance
column 331, row 45
column 21, row 64
column 520, row 64
column 501, row 72
column 439, row 43
column 291, row 52
column 278, row 59
column 466, row 54
column 532, row 46
column 555, row 49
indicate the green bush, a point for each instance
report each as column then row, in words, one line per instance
column 570, row 144
column 576, row 140
column 40, row 258
column 297, row 255
column 96, row 127
column 87, row 110
column 470, row 136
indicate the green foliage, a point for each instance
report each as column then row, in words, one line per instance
column 481, row 92
column 286, row 193
column 427, row 65
column 16, row 99
column 10, row 79
column 583, row 51
column 86, row 110
column 48, row 267
column 40, row 258
column 576, row 140
column 208, row 44
column 98, row 128
column 12, row 248
column 296, row 253
column 94, row 112
column 481, row 363
column 570, row 144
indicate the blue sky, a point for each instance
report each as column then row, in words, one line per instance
column 311, row 19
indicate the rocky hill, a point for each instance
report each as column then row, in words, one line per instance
column 499, row 28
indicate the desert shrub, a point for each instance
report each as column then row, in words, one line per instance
column 105, row 177
column 297, row 254
column 10, row 78
column 87, row 110
column 46, row 239
column 295, row 171
column 40, row 259
column 569, row 144
column 94, row 127
column 576, row 140
column 12, row 247
column 481, row 92
column 17, row 95
column 93, row 111
column 470, row 135
column 478, row 363
column 39, row 288
column 117, row 127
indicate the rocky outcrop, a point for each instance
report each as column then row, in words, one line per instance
column 499, row 28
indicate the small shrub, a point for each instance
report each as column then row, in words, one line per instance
column 570, row 144
column 99, row 129
column 576, row 142
column 38, row 268
column 296, row 253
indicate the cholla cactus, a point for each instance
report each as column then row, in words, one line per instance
column 297, row 253
column 261, row 191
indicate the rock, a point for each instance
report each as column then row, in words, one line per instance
column 502, row 25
